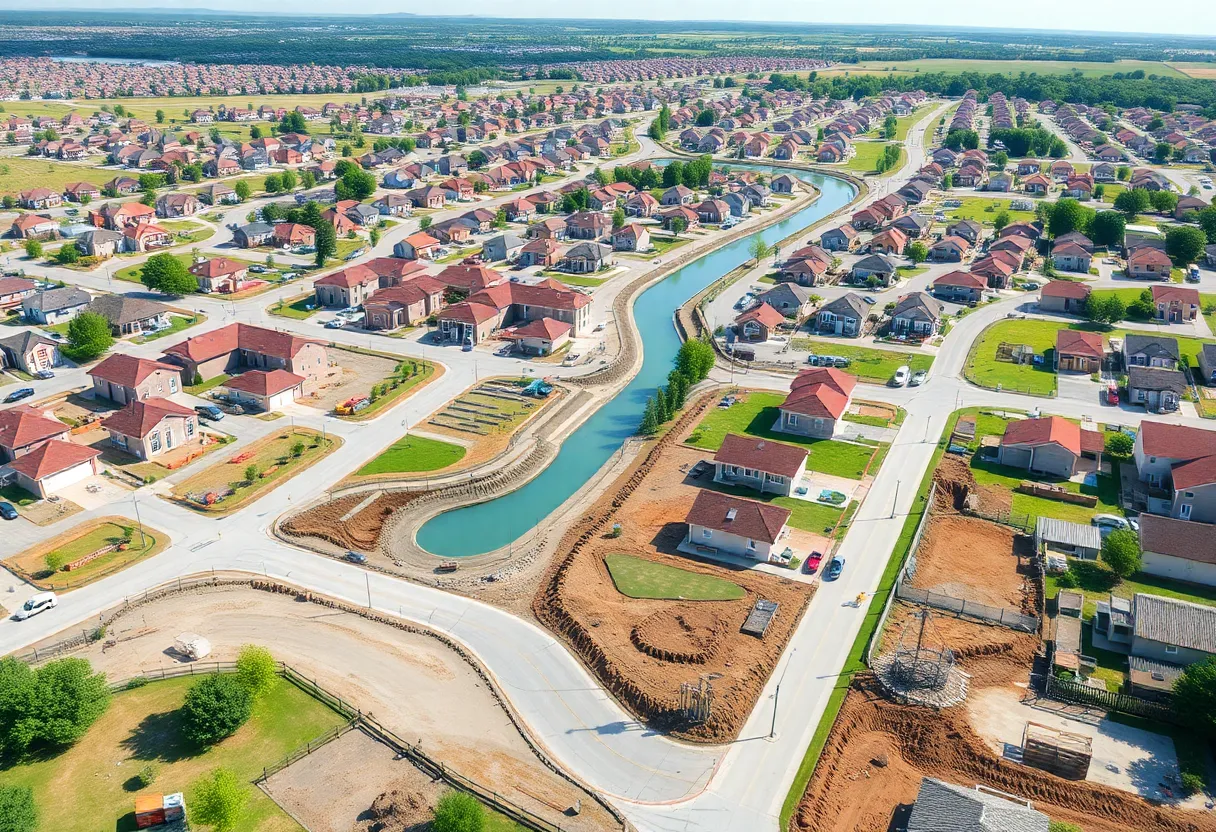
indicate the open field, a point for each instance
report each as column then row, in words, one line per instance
column 1194, row 69
column 34, row 564
column 867, row 363
column 411, row 455
column 867, row 155
column 984, row 209
column 755, row 414
column 20, row 173
column 641, row 578
column 222, row 487
column 1089, row 69
column 91, row 786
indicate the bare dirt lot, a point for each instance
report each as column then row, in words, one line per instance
column 973, row 559
column 352, row 374
column 359, row 531
column 413, row 684
column 643, row 649
column 878, row 751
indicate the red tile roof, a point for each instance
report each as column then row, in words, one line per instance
column 349, row 277
column 1176, row 441
column 751, row 520
column 821, row 392
column 128, row 370
column 1044, row 431
column 139, row 418
column 217, row 267
column 263, row 383
column 240, row 336
column 1071, row 342
column 1175, row 294
column 761, row 454
column 24, row 425
column 762, row 314
column 52, row 458
column 1066, row 289
column 546, row 328
column 961, row 278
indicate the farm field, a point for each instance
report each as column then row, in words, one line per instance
column 79, row 790
column 1091, row 69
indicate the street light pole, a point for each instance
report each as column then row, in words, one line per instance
column 143, row 543
column 772, row 731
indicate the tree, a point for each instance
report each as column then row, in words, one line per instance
column 1184, row 244
column 251, row 473
column 88, row 336
column 1121, row 552
column 50, row 706
column 288, row 180
column 293, row 122
column 272, row 184
column 1000, row 159
column 677, row 389
column 459, row 812
column 17, row 810
column 1105, row 309
column 1164, row 202
column 308, row 180
column 160, row 116
column 1132, row 202
column 214, row 708
column 917, row 251
column 694, row 360
column 355, row 184
column 1107, row 228
column 373, row 237
column 758, row 249
column 33, row 249
column 256, row 669
column 677, row 225
column 477, row 160
column 1195, row 695
column 67, row 254
column 242, row 189
column 650, row 418
column 1000, row 220
column 1207, row 221
column 1067, row 216
column 218, row 800
column 166, row 273
column 1120, row 444
column 326, row 241
column 618, row 219
column 890, row 125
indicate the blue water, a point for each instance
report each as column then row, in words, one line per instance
column 487, row 526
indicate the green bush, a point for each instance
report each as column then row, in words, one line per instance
column 1067, row 580
column 17, row 810
column 146, row 776
column 214, row 709
column 459, row 812
column 1192, row 783
column 256, row 670
column 1062, row 826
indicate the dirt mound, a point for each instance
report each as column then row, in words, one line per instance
column 973, row 559
column 685, row 635
column 850, row 792
column 956, row 484
column 398, row 808
column 361, row 531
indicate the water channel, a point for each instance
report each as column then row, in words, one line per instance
column 487, row 526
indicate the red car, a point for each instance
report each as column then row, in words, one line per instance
column 812, row 562
column 1112, row 393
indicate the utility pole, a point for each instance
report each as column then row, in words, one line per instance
column 367, row 580
column 772, row 731
column 143, row 543
column 896, row 500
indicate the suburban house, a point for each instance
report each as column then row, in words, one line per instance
column 147, row 428
column 818, row 398
column 790, row 299
column 540, row 337
column 1149, row 263
column 843, row 316
column 1048, row 445
column 758, row 323
column 1162, row 635
column 100, row 242
column 238, row 347
column 29, row 352
column 1070, row 257
column 502, row 247
column 24, row 429
column 1175, row 304
column 1079, row 352
column 409, row 304
column 55, row 306
column 13, row 290
column 507, row 304
column 130, row 315
column 586, row 257
column 841, row 238
column 417, row 246
column 949, row 250
column 1067, row 296
column 1180, row 550
column 631, row 237
column 916, row 315
column 124, row 378
column 253, row 235
column 876, row 269
column 52, row 466
column 735, row 526
column 760, row 464
column 1207, row 365
column 1175, row 472
column 219, row 274
column 265, row 390
column 960, row 287
column 942, row 806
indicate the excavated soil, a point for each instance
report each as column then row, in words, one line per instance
column 976, row 560
column 361, row 531
column 878, row 752
column 642, row 650
column 955, row 483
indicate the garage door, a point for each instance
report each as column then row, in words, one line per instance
column 65, row 478
column 1015, row 457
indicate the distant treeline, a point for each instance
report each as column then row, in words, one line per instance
column 1134, row 89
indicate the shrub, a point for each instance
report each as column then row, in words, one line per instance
column 136, row 682
column 1192, row 783
column 218, row 800
column 146, row 776
column 256, row 669
column 214, row 708
column 55, row 561
column 1062, row 826
column 1067, row 580
column 17, row 810
column 459, row 812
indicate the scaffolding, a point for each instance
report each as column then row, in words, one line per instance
column 921, row 668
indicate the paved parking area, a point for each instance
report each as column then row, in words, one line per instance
column 1079, row 388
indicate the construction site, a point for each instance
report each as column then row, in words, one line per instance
column 953, row 692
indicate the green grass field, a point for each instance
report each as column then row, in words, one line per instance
column 296, row 307
column 755, row 417
column 1096, row 581
column 1091, row 69
column 413, row 454
column 867, row 155
column 984, row 209
column 641, row 578
column 177, row 323
column 20, row 173
column 867, row 363
column 81, row 789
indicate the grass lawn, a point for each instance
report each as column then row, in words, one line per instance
column 458, row 255
column 867, row 363
column 640, row 578
column 908, row 272
column 81, row 790
column 984, row 209
column 413, row 454
column 185, row 231
column 755, row 417
column 131, row 273
column 20, row 173
column 1207, row 301
column 905, row 123
column 296, row 307
column 200, row 389
column 983, row 368
column 1096, row 581
column 867, row 156
column 273, row 458
column 578, row 279
column 176, row 324
column 1111, row 666
column 17, row 495
column 817, row 518
column 84, row 540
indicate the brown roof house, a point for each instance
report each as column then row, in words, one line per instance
column 23, row 429
column 29, row 352
column 265, row 389
column 1181, row 550
column 238, row 347
column 1048, row 445
column 125, row 378
column 758, row 323
column 147, row 428
column 219, row 274
column 1175, row 304
column 53, row 466
column 818, row 398
column 720, row 523
column 760, row 464
column 1067, row 296
column 1078, row 352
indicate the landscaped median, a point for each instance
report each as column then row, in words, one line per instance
column 228, row 485
column 86, row 553
column 299, row 307
column 406, row 377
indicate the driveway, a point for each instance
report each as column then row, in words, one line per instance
column 1078, row 388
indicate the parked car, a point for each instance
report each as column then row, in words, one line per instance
column 8, row 511
column 812, row 562
column 38, row 602
column 918, row 378
column 835, row 567
column 209, row 412
column 1108, row 523
column 335, row 323
column 901, row 376
column 355, row 557
column 870, row 299
column 44, row 374
column 18, row 395
column 1192, row 274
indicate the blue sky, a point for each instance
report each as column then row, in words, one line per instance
column 1195, row 17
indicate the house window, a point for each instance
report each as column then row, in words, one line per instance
column 791, row 419
column 706, row 533
column 172, row 385
column 154, row 442
column 1171, row 649
column 751, row 545
column 1185, row 511
column 189, row 428
column 776, row 478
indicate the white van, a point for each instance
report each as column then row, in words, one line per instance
column 37, row 603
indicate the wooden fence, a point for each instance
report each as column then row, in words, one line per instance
column 1075, row 693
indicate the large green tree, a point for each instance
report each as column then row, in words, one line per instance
column 1184, row 244
column 1121, row 552
column 214, row 708
column 17, row 810
column 256, row 669
column 218, row 800
column 1107, row 228
column 89, row 336
column 1134, row 201
column 50, row 706
column 1068, row 215
column 459, row 812
column 1195, row 695
column 355, row 184
column 695, row 359
column 166, row 273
